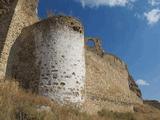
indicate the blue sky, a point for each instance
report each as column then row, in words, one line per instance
column 129, row 29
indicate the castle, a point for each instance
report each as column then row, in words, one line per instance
column 51, row 57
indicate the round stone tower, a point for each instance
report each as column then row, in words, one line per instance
column 60, row 50
column 52, row 53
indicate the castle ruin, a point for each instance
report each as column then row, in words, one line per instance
column 50, row 58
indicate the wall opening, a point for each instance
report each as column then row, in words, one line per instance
column 94, row 44
column 90, row 43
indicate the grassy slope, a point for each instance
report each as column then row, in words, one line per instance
column 16, row 104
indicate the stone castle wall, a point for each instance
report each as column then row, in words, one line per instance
column 48, row 58
column 39, row 62
column 14, row 16
column 6, row 14
column 55, row 49
column 107, row 85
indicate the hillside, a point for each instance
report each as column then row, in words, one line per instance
column 16, row 104
column 153, row 103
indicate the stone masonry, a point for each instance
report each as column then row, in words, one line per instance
column 14, row 16
column 49, row 57
column 51, row 52
column 107, row 83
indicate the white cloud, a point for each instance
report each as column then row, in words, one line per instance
column 111, row 3
column 154, row 2
column 153, row 16
column 141, row 82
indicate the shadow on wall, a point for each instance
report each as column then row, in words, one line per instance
column 21, row 64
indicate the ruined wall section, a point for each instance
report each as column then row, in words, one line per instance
column 6, row 13
column 96, row 48
column 134, row 87
column 50, row 56
column 107, row 85
column 20, row 13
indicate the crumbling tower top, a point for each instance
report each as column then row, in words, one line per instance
column 60, row 20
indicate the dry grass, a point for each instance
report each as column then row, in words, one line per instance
column 146, row 112
column 116, row 116
column 16, row 104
